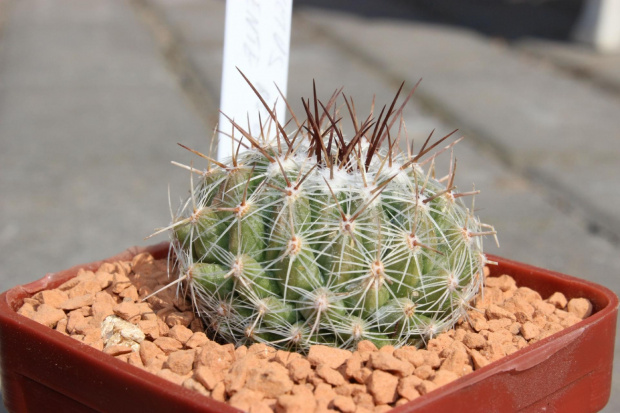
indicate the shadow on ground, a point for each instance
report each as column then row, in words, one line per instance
column 508, row 19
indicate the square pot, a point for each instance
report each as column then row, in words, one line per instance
column 44, row 370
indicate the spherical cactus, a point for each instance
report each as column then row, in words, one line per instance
column 315, row 238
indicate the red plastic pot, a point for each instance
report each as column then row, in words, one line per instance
column 43, row 370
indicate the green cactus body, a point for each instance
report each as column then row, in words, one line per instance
column 246, row 234
column 288, row 246
column 211, row 237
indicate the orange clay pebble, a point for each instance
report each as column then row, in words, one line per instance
column 52, row 298
column 244, row 399
column 180, row 362
column 387, row 362
column 558, row 300
column 383, row 386
column 271, row 379
column 48, row 315
column 332, row 357
column 580, row 307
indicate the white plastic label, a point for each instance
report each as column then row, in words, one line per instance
column 256, row 41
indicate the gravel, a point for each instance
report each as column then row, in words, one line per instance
column 172, row 343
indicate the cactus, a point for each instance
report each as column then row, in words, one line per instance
column 315, row 238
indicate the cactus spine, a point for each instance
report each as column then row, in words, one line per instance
column 315, row 238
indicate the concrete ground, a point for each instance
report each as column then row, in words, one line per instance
column 95, row 95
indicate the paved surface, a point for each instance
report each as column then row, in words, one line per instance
column 95, row 95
